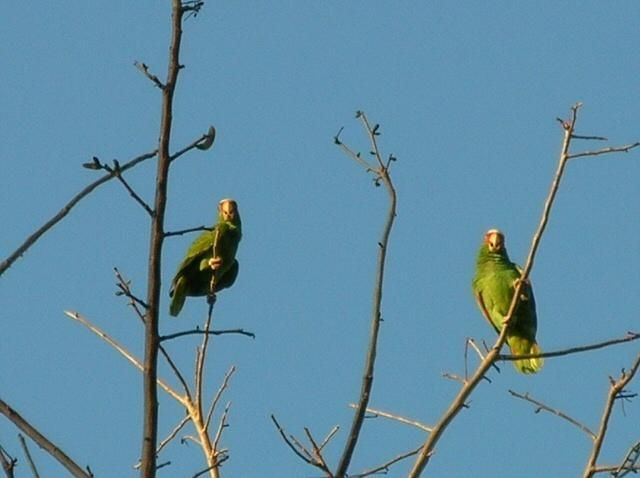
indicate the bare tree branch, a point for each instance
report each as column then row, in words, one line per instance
column 8, row 463
column 306, row 456
column 541, row 406
column 25, row 448
column 221, row 426
column 612, row 149
column 617, row 471
column 132, row 193
column 124, row 287
column 374, row 413
column 628, row 465
column 144, row 68
column 186, row 231
column 152, row 339
column 198, row 331
column 168, row 439
column 381, row 176
column 329, row 436
column 317, row 453
column 594, row 138
column 615, row 392
column 631, row 336
column 125, row 353
column 218, row 396
column 43, row 442
column 384, row 468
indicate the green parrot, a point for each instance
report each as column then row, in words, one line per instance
column 493, row 286
column 212, row 253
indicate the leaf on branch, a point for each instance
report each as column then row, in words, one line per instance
column 94, row 164
column 207, row 140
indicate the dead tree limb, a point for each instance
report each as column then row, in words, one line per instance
column 43, row 442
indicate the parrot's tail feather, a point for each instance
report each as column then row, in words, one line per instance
column 521, row 346
column 178, row 296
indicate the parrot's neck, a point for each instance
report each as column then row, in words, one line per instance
column 487, row 258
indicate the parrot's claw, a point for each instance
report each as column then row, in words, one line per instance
column 523, row 295
column 215, row 262
column 211, row 299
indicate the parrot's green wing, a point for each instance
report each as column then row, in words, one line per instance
column 493, row 286
column 194, row 274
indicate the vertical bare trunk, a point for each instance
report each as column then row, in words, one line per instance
column 150, row 426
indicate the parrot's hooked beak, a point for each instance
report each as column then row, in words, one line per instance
column 494, row 240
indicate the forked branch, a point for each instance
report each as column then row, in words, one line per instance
column 543, row 407
column 380, row 170
column 616, row 391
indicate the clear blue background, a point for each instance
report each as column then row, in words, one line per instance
column 466, row 93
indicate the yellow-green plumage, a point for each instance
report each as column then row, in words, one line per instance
column 195, row 272
column 493, row 286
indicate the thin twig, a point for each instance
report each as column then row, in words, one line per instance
column 541, row 406
column 384, row 468
column 381, row 174
column 221, row 426
column 290, row 444
column 617, row 471
column 205, row 471
column 629, row 462
column 131, row 191
column 8, row 463
column 357, row 157
column 470, row 342
column 43, row 442
column 125, row 353
column 374, row 412
column 317, row 454
column 169, row 437
column 595, row 138
column 329, row 436
column 617, row 387
column 186, row 231
column 612, row 149
column 144, row 68
column 218, row 395
column 455, row 377
column 631, row 336
column 198, row 331
column 125, row 289
column 27, row 453
column 199, row 378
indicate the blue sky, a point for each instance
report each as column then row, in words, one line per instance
column 466, row 94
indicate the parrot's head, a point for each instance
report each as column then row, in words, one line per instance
column 228, row 210
column 494, row 240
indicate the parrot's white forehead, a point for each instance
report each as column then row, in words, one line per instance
column 494, row 231
column 225, row 200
